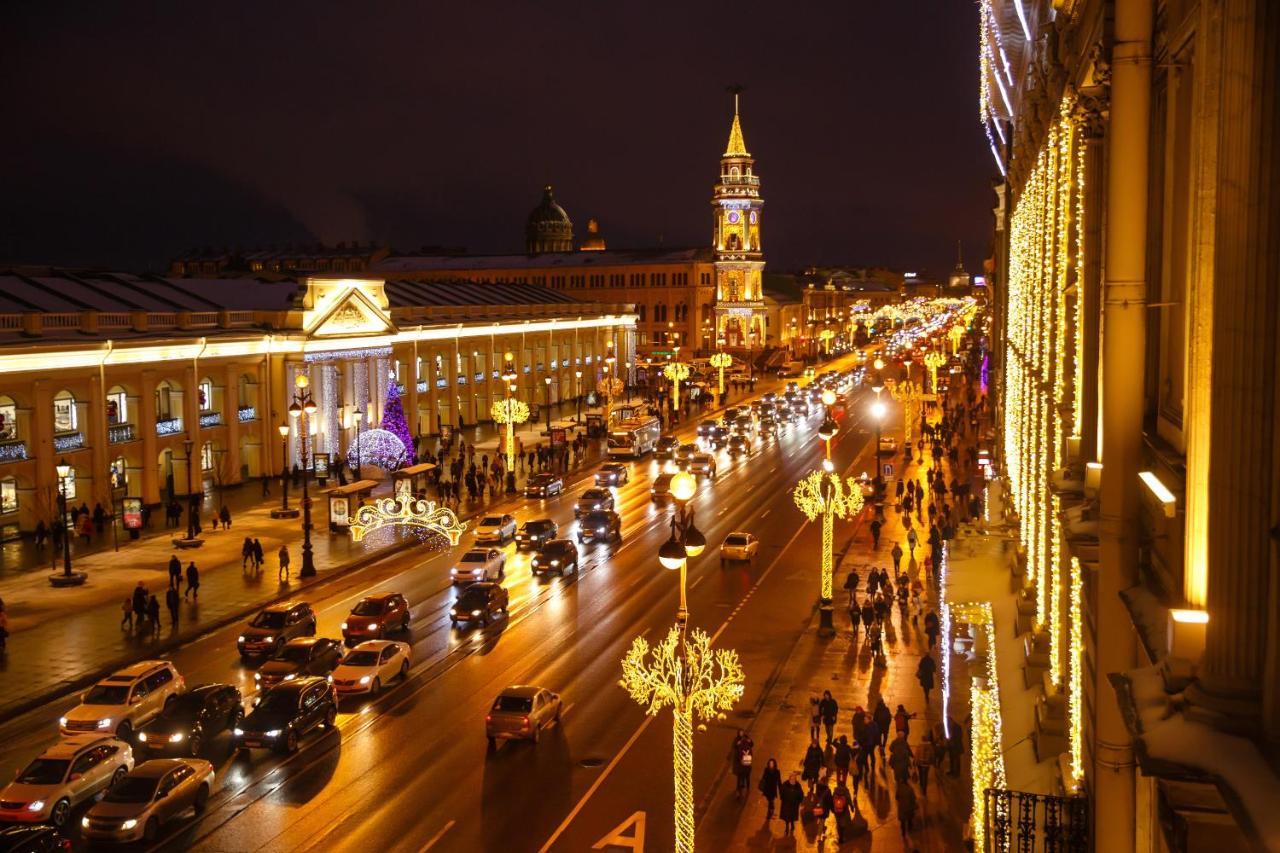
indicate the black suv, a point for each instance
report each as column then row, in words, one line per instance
column 593, row 499
column 536, row 532
column 667, row 447
column 600, row 526
column 299, row 657
column 286, row 712
column 480, row 602
column 274, row 626
column 558, row 555
column 193, row 719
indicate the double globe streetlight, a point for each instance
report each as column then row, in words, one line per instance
column 301, row 409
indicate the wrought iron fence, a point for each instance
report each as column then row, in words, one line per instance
column 1036, row 823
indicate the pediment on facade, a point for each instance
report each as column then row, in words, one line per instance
column 352, row 314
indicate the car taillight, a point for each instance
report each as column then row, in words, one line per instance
column 526, row 722
column 488, row 718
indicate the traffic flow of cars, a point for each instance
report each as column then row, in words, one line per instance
column 134, row 749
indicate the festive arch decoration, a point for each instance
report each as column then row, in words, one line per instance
column 378, row 447
column 420, row 515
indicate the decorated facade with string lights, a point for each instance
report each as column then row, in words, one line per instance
column 1134, row 355
column 117, row 389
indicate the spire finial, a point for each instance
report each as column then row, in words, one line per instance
column 736, row 146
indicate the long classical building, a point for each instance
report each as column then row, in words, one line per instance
column 114, row 373
column 1136, row 350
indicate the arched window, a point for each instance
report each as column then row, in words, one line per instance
column 64, row 412
column 8, row 495
column 119, row 474
column 206, row 456
column 8, row 419
column 117, row 406
column 165, row 393
column 204, row 394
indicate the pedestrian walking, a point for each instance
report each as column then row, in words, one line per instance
column 770, row 783
column 900, row 758
column 140, row 602
column 225, row 515
column 283, row 572
column 955, row 747
column 851, row 585
column 842, row 808
column 175, row 572
column 896, row 553
column 842, row 758
column 740, row 754
column 875, row 533
column 931, row 628
column 193, row 582
column 830, row 709
column 815, row 718
column 906, row 808
column 884, row 721
column 259, row 556
column 924, row 674
column 126, row 609
column 811, row 767
column 153, row 613
column 171, row 600
column 926, row 755
column 822, row 806
column 790, row 796
column 246, row 551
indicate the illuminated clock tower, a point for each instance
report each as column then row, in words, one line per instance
column 740, row 311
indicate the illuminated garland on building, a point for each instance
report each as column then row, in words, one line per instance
column 1075, row 686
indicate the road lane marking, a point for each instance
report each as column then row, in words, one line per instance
column 766, row 512
column 696, row 582
column 432, row 843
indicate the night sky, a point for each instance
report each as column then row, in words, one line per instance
column 136, row 131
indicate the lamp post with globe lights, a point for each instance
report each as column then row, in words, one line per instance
column 828, row 428
column 546, row 383
column 301, row 409
column 66, row 577
column 577, row 392
column 284, row 511
column 684, row 671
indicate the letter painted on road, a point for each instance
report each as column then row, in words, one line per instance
column 615, row 838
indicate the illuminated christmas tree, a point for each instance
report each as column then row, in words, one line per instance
column 393, row 420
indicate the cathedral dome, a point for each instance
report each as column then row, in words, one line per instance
column 548, row 228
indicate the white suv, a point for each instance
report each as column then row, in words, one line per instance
column 64, row 776
column 124, row 700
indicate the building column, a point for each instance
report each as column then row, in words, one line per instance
column 1241, row 639
column 96, row 437
column 191, row 420
column 231, row 416
column 147, row 427
column 1124, row 333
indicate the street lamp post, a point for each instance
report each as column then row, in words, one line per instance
column 684, row 672
column 510, row 412
column 577, row 390
column 64, row 471
column 547, row 382
column 284, row 511
column 187, row 445
column 303, row 407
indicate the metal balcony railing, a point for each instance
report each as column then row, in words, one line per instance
column 1036, row 823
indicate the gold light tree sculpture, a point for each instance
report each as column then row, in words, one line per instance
column 695, row 680
column 825, row 336
column 823, row 493
column 956, row 332
column 677, row 372
column 908, row 394
column 510, row 412
column 610, row 387
column 720, row 361
column 934, row 359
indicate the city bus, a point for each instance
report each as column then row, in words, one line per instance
column 635, row 437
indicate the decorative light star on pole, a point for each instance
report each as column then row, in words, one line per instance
column 908, row 394
column 934, row 359
column 720, row 361
column 685, row 673
column 823, row 493
column 510, row 412
column 677, row 372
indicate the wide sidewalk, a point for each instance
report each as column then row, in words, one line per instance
column 63, row 638
column 843, row 664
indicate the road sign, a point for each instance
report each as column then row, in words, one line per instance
column 888, row 470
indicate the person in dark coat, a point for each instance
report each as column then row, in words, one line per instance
column 140, row 602
column 931, row 628
column 246, row 551
column 770, row 782
column 924, row 674
column 842, row 808
column 175, row 572
column 258, row 555
column 224, row 515
column 790, row 796
column 741, row 756
column 830, row 710
column 906, row 808
column 822, row 810
column 842, row 758
column 171, row 600
column 193, row 582
column 884, row 720
column 153, row 613
column 812, row 766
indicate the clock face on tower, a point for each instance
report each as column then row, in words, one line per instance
column 734, row 217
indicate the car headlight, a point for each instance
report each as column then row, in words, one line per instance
column 555, row 563
column 176, row 737
column 477, row 571
column 364, row 679
column 240, row 639
column 291, row 676
column 257, row 676
column 453, row 571
column 142, row 736
column 129, row 824
column 600, row 530
column 104, row 723
column 237, row 731
column 475, row 612
column 373, row 626
column 343, row 626
column 36, row 806
column 62, row 721
column 84, row 821
column 453, row 612
column 272, row 733
column 595, row 506
column 268, row 639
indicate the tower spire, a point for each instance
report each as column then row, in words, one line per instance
column 736, row 146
